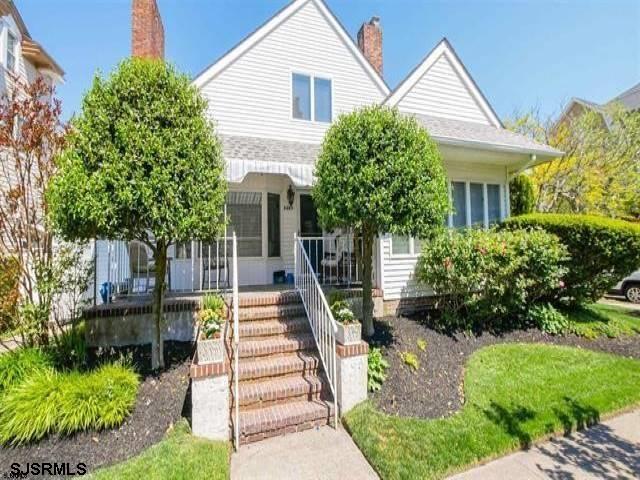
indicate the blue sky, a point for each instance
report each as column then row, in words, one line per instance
column 522, row 53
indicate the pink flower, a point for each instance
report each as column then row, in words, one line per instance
column 561, row 284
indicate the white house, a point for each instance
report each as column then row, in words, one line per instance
column 272, row 98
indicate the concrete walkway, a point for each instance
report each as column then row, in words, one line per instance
column 609, row 451
column 323, row 453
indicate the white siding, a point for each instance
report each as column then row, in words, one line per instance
column 442, row 93
column 253, row 95
column 399, row 270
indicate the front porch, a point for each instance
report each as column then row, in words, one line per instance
column 266, row 212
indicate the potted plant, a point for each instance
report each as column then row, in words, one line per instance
column 211, row 320
column 349, row 328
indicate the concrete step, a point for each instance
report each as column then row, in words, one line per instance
column 289, row 417
column 302, row 363
column 266, row 328
column 271, row 312
column 288, row 343
column 258, row 394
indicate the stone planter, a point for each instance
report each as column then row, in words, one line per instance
column 349, row 334
column 210, row 350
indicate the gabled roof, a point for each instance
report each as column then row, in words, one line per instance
column 444, row 48
column 278, row 18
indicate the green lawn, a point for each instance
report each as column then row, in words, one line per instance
column 597, row 320
column 515, row 394
column 179, row 456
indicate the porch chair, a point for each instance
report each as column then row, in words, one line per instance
column 140, row 265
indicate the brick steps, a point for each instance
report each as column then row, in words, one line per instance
column 264, row 328
column 272, row 312
column 275, row 345
column 282, row 387
column 258, row 394
column 289, row 417
column 268, row 298
column 301, row 363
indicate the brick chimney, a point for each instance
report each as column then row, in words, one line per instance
column 147, row 33
column 370, row 42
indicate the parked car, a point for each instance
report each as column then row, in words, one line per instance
column 630, row 287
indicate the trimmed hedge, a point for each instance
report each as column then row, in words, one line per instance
column 602, row 250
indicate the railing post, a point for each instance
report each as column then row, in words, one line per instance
column 236, row 339
column 295, row 259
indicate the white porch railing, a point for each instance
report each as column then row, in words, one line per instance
column 336, row 259
column 236, row 341
column 128, row 268
column 323, row 325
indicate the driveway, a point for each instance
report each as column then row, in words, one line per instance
column 610, row 450
column 619, row 302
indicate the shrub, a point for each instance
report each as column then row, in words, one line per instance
column 548, row 319
column 377, row 369
column 602, row 250
column 410, row 360
column 522, row 195
column 69, row 349
column 489, row 278
column 9, row 292
column 21, row 363
column 48, row 401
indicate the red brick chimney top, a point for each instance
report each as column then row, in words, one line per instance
column 370, row 42
column 147, row 33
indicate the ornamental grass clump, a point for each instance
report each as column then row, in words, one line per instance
column 22, row 363
column 48, row 401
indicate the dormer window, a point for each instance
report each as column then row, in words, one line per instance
column 11, row 51
column 303, row 89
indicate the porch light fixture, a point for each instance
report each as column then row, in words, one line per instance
column 291, row 195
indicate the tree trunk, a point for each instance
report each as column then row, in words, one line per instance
column 367, row 293
column 157, row 350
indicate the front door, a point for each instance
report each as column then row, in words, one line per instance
column 310, row 231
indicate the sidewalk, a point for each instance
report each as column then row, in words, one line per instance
column 610, row 450
column 323, row 453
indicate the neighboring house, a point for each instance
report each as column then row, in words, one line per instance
column 629, row 99
column 272, row 98
column 21, row 58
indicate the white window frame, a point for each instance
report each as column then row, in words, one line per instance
column 14, row 53
column 412, row 251
column 312, row 99
column 484, row 184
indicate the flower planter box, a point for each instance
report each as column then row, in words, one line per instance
column 210, row 350
column 349, row 334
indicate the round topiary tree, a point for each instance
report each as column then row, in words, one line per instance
column 522, row 195
column 379, row 172
column 142, row 163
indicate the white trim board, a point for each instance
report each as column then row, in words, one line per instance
column 245, row 45
column 444, row 48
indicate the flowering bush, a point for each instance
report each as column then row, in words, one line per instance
column 211, row 317
column 490, row 278
column 342, row 313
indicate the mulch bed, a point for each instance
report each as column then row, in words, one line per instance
column 435, row 390
column 160, row 403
